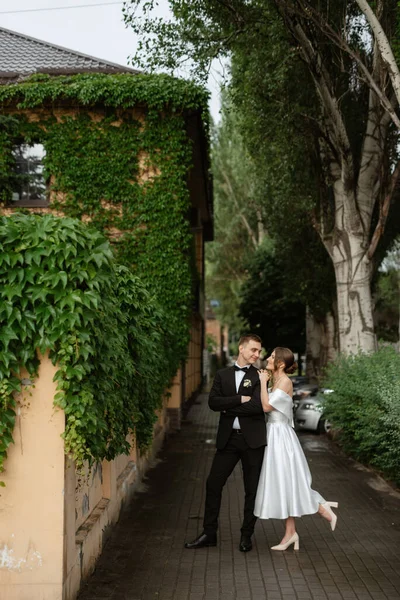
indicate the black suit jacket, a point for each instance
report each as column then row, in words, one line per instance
column 223, row 398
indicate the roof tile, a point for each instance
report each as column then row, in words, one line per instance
column 22, row 55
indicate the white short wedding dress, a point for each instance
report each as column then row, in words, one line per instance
column 284, row 489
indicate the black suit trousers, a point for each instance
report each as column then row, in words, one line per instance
column 223, row 464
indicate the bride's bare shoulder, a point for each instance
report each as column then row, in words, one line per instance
column 287, row 386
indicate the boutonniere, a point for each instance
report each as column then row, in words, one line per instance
column 246, row 383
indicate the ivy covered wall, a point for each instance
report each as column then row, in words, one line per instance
column 121, row 127
column 118, row 157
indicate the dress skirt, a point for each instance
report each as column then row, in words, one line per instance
column 284, row 488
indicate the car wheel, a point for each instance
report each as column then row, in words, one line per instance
column 323, row 426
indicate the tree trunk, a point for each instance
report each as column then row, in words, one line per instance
column 353, row 271
column 260, row 227
column 321, row 344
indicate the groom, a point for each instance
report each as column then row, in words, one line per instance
column 235, row 394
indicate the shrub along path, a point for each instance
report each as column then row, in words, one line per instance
column 145, row 558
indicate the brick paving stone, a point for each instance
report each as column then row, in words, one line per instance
column 144, row 558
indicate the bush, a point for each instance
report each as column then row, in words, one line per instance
column 62, row 291
column 365, row 408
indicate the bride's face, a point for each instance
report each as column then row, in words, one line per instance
column 271, row 362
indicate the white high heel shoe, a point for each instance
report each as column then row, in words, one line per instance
column 293, row 540
column 327, row 507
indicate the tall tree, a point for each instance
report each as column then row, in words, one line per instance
column 272, row 276
column 362, row 170
column 238, row 218
column 268, row 302
column 270, row 90
column 350, row 118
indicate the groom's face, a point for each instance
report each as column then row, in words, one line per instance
column 250, row 351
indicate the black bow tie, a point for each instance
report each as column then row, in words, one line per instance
column 241, row 368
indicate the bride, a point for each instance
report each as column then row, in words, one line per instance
column 284, row 489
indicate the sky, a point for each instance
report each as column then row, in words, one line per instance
column 96, row 28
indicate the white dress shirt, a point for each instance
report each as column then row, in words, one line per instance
column 238, row 380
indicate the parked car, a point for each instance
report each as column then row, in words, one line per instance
column 303, row 390
column 299, row 380
column 308, row 414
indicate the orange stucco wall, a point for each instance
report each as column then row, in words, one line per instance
column 32, row 503
column 53, row 519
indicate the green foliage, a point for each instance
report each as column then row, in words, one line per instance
column 211, row 343
column 387, row 295
column 266, row 252
column 365, row 408
column 387, row 305
column 199, row 31
column 305, row 106
column 90, row 89
column 91, row 162
column 275, row 100
column 148, row 335
column 235, row 220
column 269, row 305
column 8, row 129
column 94, row 166
column 62, row 291
column 264, row 165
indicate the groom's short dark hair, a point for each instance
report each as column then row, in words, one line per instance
column 248, row 337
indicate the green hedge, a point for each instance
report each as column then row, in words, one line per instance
column 365, row 408
column 61, row 290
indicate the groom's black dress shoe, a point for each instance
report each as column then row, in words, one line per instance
column 202, row 541
column 245, row 543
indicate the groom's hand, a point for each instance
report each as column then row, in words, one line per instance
column 245, row 399
column 219, row 402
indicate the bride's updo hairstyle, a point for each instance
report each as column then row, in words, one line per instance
column 285, row 356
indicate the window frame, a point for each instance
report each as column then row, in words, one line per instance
column 29, row 202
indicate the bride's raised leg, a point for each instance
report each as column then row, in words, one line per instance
column 327, row 513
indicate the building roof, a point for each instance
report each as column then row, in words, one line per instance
column 22, row 55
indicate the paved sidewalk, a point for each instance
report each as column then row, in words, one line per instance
column 145, row 558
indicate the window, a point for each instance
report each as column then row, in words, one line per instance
column 29, row 184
